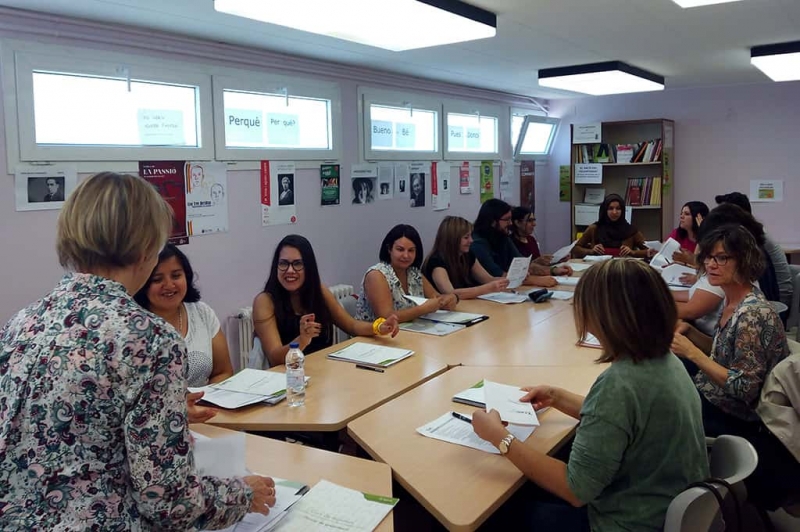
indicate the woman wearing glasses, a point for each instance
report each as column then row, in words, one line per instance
column 296, row 307
column 523, row 222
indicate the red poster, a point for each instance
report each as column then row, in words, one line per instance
column 169, row 179
column 434, row 180
column 265, row 188
column 463, row 175
column 527, row 184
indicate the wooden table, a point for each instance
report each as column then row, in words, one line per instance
column 337, row 393
column 789, row 250
column 308, row 465
column 460, row 486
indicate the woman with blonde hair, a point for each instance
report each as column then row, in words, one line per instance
column 93, row 421
column 452, row 268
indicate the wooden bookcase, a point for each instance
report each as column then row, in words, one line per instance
column 654, row 221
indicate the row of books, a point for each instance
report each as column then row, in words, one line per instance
column 643, row 191
column 643, row 152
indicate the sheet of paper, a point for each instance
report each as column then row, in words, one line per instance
column 597, row 258
column 415, row 299
column 561, row 253
column 562, row 295
column 474, row 396
column 672, row 274
column 567, row 281
column 590, row 341
column 287, row 493
column 451, row 316
column 220, row 457
column 504, row 297
column 580, row 266
column 228, row 399
column 375, row 355
column 653, row 244
column 505, row 399
column 431, row 327
column 452, row 430
column 664, row 256
column 518, row 271
column 328, row 507
column 254, row 381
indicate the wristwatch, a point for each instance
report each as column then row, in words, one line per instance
column 505, row 444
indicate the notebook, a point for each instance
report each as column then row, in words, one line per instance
column 376, row 356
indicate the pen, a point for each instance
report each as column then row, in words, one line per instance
column 377, row 370
column 462, row 417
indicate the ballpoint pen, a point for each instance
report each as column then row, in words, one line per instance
column 462, row 417
column 376, row 370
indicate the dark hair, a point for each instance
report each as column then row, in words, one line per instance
column 359, row 180
column 740, row 244
column 695, row 208
column 517, row 214
column 169, row 251
column 311, row 298
column 491, row 211
column 612, row 297
column 729, row 213
column 736, row 198
column 603, row 218
column 397, row 232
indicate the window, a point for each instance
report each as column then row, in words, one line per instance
column 74, row 110
column 399, row 130
column 536, row 134
column 472, row 131
column 276, row 118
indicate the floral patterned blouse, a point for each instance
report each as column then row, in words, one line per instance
column 93, row 432
column 365, row 312
column 749, row 345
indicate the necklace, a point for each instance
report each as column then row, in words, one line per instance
column 180, row 320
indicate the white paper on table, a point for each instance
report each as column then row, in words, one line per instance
column 653, row 244
column 435, row 328
column 228, row 399
column 567, row 281
column 590, row 341
column 329, row 507
column 220, row 457
column 518, row 271
column 505, row 399
column 664, row 256
column 452, row 316
column 562, row 295
column 597, row 258
column 580, row 266
column 672, row 274
column 253, row 381
column 287, row 493
column 415, row 299
column 370, row 354
column 504, row 297
column 561, row 253
column 452, row 430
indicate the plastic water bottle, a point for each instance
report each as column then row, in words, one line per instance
column 295, row 376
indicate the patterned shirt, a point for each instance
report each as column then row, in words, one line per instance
column 749, row 345
column 400, row 302
column 93, row 432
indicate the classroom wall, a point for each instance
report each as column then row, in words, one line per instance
column 231, row 267
column 724, row 137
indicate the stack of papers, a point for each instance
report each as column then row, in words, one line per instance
column 505, row 399
column 597, row 258
column 672, row 274
column 461, row 318
column 580, row 266
column 562, row 253
column 504, row 297
column 448, row 428
column 376, row 356
column 653, row 244
column 249, row 386
column 664, row 255
column 287, row 494
column 475, row 396
column 518, row 271
column 567, row 281
column 431, row 327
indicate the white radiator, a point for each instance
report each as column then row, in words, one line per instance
column 346, row 297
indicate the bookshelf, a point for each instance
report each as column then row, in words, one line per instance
column 655, row 215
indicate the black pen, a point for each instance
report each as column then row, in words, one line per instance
column 377, row 370
column 462, row 417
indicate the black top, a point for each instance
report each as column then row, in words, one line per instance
column 289, row 329
column 436, row 261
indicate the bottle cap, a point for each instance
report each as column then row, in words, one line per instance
column 294, row 345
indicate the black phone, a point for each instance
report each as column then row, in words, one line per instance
column 540, row 296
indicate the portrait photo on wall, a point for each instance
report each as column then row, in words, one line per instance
column 43, row 188
column 417, row 190
column 363, row 190
column 286, row 188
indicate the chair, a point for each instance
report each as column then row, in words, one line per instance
column 696, row 509
column 794, row 310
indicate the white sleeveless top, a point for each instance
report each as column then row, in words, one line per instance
column 364, row 310
column 203, row 327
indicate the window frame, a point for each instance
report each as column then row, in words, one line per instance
column 472, row 108
column 528, row 117
column 22, row 148
column 369, row 96
column 248, row 81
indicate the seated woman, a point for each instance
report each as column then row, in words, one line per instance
column 398, row 274
column 686, row 232
column 639, row 440
column 296, row 307
column 495, row 251
column 612, row 234
column 749, row 339
column 452, row 268
column 93, row 387
column 170, row 292
column 523, row 222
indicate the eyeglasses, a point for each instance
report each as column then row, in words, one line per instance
column 297, row 265
column 719, row 260
column 505, row 219
column 530, row 220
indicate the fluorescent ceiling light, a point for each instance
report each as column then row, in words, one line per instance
column 612, row 77
column 781, row 62
column 698, row 3
column 395, row 25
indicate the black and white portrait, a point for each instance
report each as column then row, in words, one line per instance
column 363, row 190
column 417, row 190
column 40, row 188
column 286, row 189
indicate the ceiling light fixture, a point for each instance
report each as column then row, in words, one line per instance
column 611, row 77
column 697, row 3
column 781, row 62
column 395, row 25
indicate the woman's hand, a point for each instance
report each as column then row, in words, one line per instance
column 683, row 255
column 448, row 301
column 431, row 305
column 624, row 251
column 309, row 329
column 544, row 260
column 390, row 326
column 651, row 253
column 683, row 347
column 699, row 219
column 539, row 396
column 263, row 493
column 599, row 249
column 688, row 278
column 563, row 269
column 488, row 426
column 499, row 285
column 198, row 414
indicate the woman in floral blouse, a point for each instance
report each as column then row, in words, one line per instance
column 93, row 431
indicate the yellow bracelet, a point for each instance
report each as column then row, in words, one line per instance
column 376, row 326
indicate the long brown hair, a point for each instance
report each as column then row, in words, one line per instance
column 448, row 247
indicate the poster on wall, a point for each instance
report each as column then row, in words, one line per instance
column 169, row 178
column 506, row 176
column 206, row 198
column 464, row 178
column 401, row 177
column 766, row 191
column 364, row 179
column 417, row 175
column 385, row 181
column 440, row 186
column 487, row 180
column 527, row 184
column 278, row 193
column 564, row 183
column 329, row 175
column 41, row 188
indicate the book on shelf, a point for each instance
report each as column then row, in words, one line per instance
column 643, row 191
column 648, row 151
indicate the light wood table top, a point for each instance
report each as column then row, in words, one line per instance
column 337, row 393
column 308, row 465
column 460, row 486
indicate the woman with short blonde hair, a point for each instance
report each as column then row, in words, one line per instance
column 93, row 428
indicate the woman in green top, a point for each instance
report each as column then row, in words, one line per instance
column 640, row 439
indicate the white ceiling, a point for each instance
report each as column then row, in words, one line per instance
column 690, row 47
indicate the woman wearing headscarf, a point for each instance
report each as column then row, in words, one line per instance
column 611, row 234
